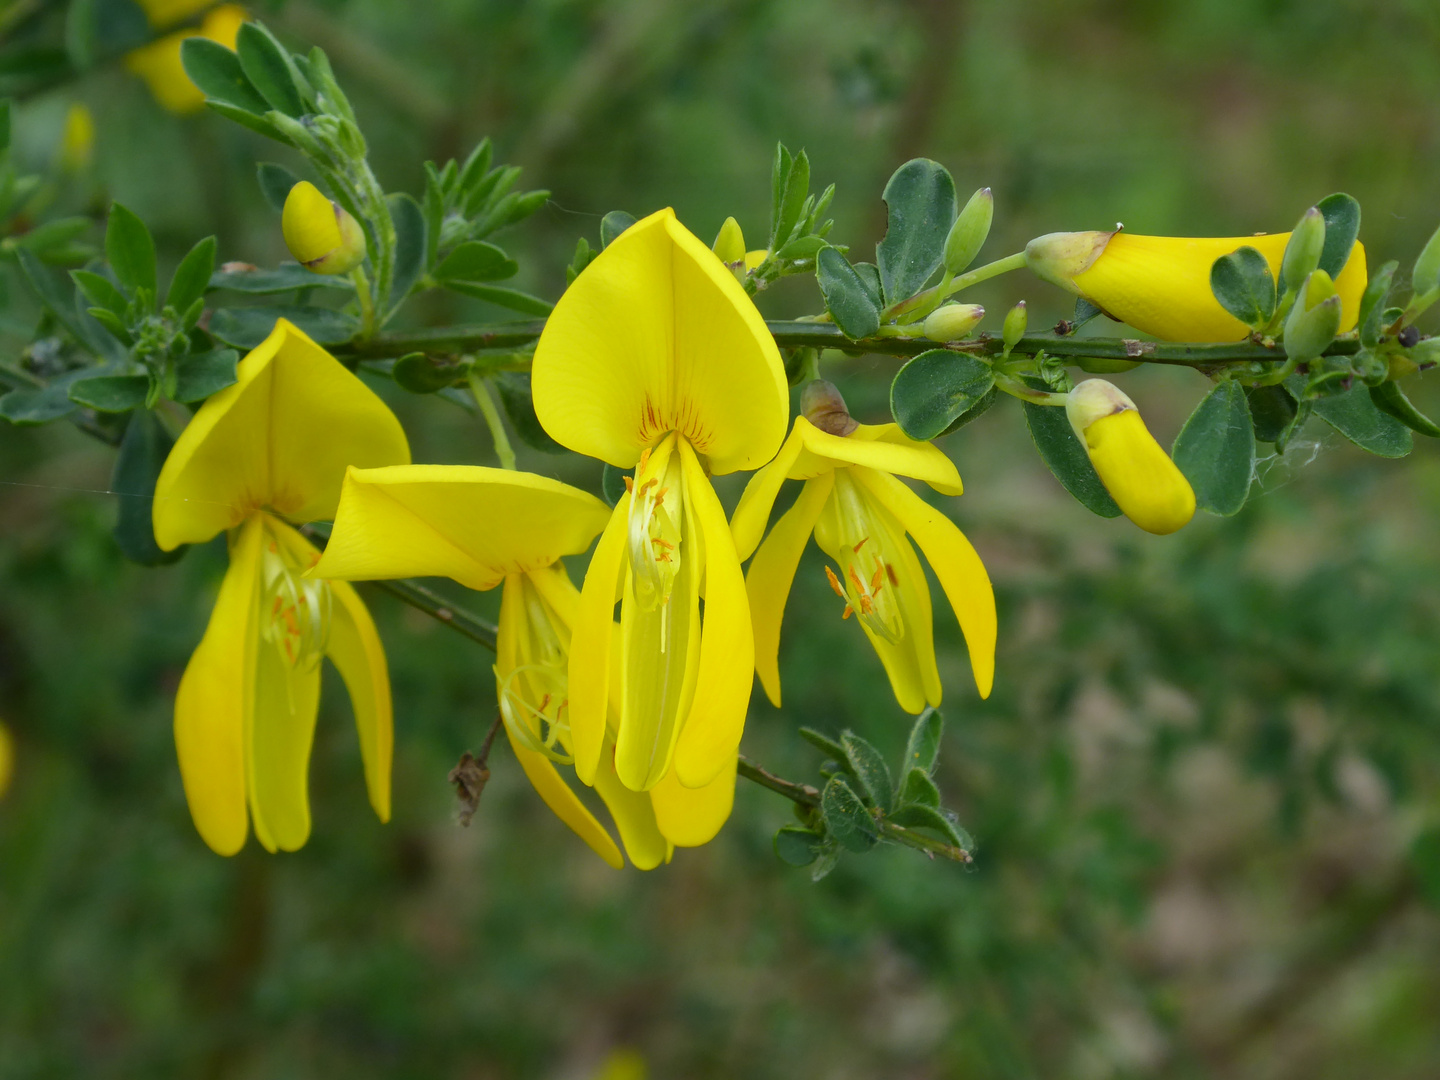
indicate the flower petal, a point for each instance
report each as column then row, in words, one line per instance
column 955, row 562
column 657, row 335
column 727, row 644
column 281, row 436
column 633, row 813
column 772, row 572
column 747, row 524
column 689, row 817
column 355, row 649
column 470, row 523
column 591, row 642
column 1161, row 284
column 213, row 703
column 880, row 446
column 551, row 786
column 281, row 733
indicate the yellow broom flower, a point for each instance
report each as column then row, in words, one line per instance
column 656, row 360
column 267, row 451
column 864, row 518
column 1160, row 285
column 1141, row 478
column 322, row 235
column 486, row 527
column 159, row 62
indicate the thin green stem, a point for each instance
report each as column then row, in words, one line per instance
column 1016, row 388
column 480, row 388
column 437, row 607
column 962, row 281
column 367, row 304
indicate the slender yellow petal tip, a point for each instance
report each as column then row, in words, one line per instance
column 1060, row 257
column 1139, row 475
column 159, row 62
column 7, row 759
column 658, row 336
column 77, row 143
column 729, row 246
column 321, row 234
column 953, row 322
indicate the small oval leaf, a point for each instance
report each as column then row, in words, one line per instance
column 1216, row 450
column 935, row 389
column 1243, row 284
column 846, row 297
column 921, row 206
column 1066, row 458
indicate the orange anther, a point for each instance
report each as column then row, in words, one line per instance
column 857, row 547
column 835, row 584
column 629, row 484
column 890, row 573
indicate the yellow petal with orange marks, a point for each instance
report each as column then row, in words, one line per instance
column 215, row 699
column 656, row 335
column 711, row 734
column 281, row 436
column 962, row 575
column 591, row 641
column 772, row 572
column 1161, row 284
column 467, row 522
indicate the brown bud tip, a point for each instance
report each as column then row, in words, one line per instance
column 822, row 405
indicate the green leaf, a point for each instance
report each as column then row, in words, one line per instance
column 410, row 245
column 921, row 207
column 50, row 235
column 1243, row 284
column 797, row 187
column 100, row 291
column 61, row 303
column 922, row 749
column 779, row 179
column 476, row 166
column 287, row 277
column 201, row 374
column 267, row 66
column 217, row 72
column 919, row 788
column 1342, row 225
column 823, row 743
column 514, row 387
column 846, row 817
column 935, row 389
column 612, row 483
column 4, row 125
column 869, row 769
column 142, row 453
column 1066, row 458
column 258, row 124
column 802, row 247
column 423, row 374
column 798, row 846
column 1271, row 409
column 1216, row 450
column 870, row 278
column 846, row 298
column 130, row 249
column 1372, row 304
column 1389, row 398
column 275, row 183
column 192, row 276
column 506, row 298
column 920, row 816
column 612, row 225
column 433, row 205
column 245, row 328
column 42, row 404
column 476, row 260
column 111, row 393
column 1354, row 415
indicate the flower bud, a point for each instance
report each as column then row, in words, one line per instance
column 1014, row 328
column 1427, row 267
column 1141, row 478
column 968, row 234
column 1302, row 253
column 952, row 321
column 1314, row 320
column 730, row 243
column 822, row 405
column 1059, row 257
column 321, row 235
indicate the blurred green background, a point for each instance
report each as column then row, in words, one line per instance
column 1204, row 787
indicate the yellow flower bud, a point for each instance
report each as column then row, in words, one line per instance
column 953, row 321
column 321, row 235
column 7, row 758
column 1139, row 475
column 77, row 142
column 730, row 243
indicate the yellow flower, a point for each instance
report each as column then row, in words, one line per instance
column 1161, row 284
column 268, row 450
column 487, row 527
column 656, row 359
column 7, row 759
column 861, row 516
column 77, row 142
column 321, row 234
column 159, row 62
column 1139, row 475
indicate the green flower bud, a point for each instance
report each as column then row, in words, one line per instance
column 322, row 236
column 1314, row 320
column 1059, row 257
column 968, row 234
column 1427, row 266
column 1302, row 253
column 952, row 321
column 730, row 243
column 1014, row 329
